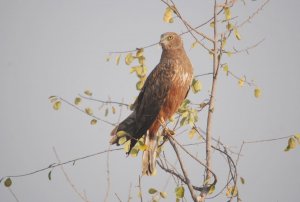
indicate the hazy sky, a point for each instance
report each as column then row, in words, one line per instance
column 59, row 48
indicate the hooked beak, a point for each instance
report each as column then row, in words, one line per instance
column 162, row 39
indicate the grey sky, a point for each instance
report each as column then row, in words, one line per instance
column 59, row 48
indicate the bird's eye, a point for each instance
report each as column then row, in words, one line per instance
column 170, row 38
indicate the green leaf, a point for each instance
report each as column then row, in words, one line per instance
column 134, row 152
column 140, row 84
column 88, row 93
column 49, row 175
column 89, row 111
column 152, row 191
column 163, row 194
column 8, row 182
column 57, row 105
column 106, row 112
column 179, row 191
column 93, row 122
column 242, row 180
column 196, row 86
column 237, row 34
column 77, row 101
column 226, row 68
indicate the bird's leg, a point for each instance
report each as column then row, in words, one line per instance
column 166, row 130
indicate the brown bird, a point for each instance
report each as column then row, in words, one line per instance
column 162, row 94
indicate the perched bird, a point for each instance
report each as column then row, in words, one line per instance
column 162, row 94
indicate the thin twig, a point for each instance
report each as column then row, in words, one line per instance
column 108, row 175
column 13, row 194
column 54, row 165
column 83, row 111
column 69, row 179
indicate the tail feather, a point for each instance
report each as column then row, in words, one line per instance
column 130, row 127
column 149, row 156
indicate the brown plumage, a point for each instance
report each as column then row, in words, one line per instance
column 163, row 92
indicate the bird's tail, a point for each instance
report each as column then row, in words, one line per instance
column 129, row 127
column 149, row 155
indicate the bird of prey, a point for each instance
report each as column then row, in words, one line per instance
column 162, row 94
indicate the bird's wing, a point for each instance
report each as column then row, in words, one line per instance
column 152, row 96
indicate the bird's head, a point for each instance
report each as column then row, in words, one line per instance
column 170, row 41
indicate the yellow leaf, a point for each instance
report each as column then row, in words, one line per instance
column 241, row 81
column 89, row 111
column 113, row 109
column 227, row 13
column 231, row 191
column 163, row 194
column 212, row 24
column 141, row 60
column 297, row 137
column 229, row 26
column 194, row 44
column 57, row 105
column 139, row 70
column 77, row 101
column 257, row 92
column 192, row 133
column 211, row 189
column 127, row 146
column 229, row 54
column 139, row 52
column 122, row 140
column 168, row 15
column 292, row 143
column 122, row 133
column 236, row 33
column 88, row 93
column 93, row 121
column 129, row 59
column 142, row 146
column 118, row 59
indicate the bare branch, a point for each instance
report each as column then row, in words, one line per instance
column 187, row 179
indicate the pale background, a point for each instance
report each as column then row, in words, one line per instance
column 59, row 48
